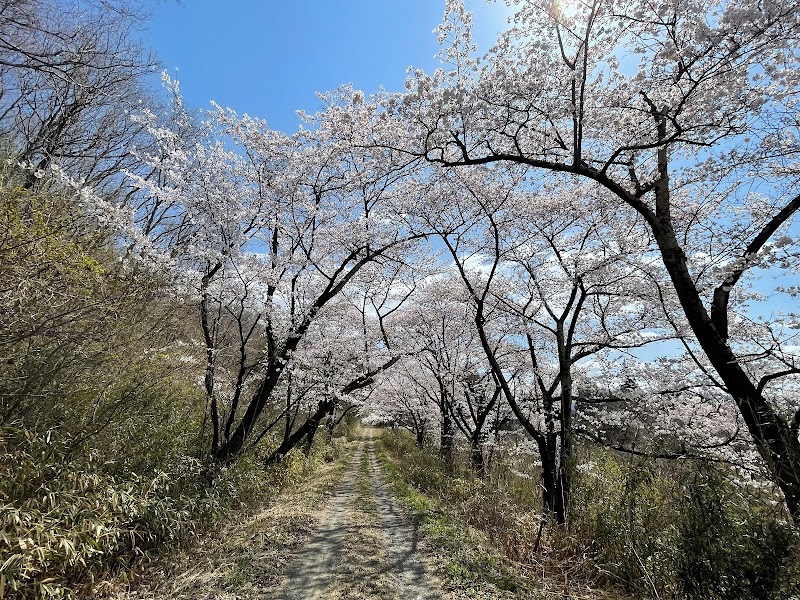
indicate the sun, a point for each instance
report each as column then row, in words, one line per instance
column 567, row 10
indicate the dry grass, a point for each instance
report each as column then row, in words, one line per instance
column 481, row 555
column 244, row 557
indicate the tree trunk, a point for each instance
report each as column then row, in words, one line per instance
column 775, row 439
column 446, row 441
column 549, row 475
column 566, row 449
column 420, row 434
column 323, row 408
column 209, row 336
column 564, row 481
column 476, row 457
column 330, row 425
column 312, row 430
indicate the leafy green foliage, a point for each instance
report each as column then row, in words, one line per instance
column 84, row 338
column 681, row 529
column 99, row 407
column 621, row 518
column 725, row 549
column 66, row 518
column 69, row 517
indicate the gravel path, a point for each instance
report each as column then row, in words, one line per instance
column 364, row 548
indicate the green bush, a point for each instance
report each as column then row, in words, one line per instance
column 680, row 530
column 65, row 520
column 729, row 546
column 99, row 409
column 420, row 468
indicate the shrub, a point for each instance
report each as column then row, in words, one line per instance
column 730, row 547
column 680, row 529
column 65, row 520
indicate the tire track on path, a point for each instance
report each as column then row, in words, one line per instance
column 310, row 573
column 364, row 549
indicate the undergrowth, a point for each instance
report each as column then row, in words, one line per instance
column 245, row 553
column 70, row 517
column 638, row 528
column 474, row 566
column 680, row 531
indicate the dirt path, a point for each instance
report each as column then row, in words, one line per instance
column 363, row 549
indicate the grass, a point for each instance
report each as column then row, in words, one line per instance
column 244, row 557
column 473, row 567
column 484, row 532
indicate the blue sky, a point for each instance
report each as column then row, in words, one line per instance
column 267, row 58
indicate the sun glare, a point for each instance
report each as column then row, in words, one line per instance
column 567, row 9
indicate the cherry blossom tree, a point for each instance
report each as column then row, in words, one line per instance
column 446, row 349
column 444, row 380
column 397, row 402
column 551, row 289
column 268, row 230
column 477, row 415
column 360, row 337
column 666, row 409
column 686, row 113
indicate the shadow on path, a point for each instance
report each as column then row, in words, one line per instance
column 332, row 566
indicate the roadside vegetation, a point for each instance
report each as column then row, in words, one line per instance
column 102, row 422
column 640, row 529
column 245, row 553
